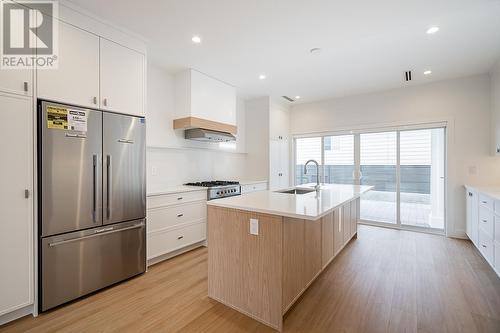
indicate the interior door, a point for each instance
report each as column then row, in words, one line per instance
column 16, row 206
column 124, row 154
column 71, row 169
column 76, row 80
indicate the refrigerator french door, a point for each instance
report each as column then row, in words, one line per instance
column 124, row 168
column 91, row 200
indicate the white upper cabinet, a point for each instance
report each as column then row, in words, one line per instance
column 121, row 79
column 76, row 80
column 279, row 123
column 16, row 81
column 201, row 96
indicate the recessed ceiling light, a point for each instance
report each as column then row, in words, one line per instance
column 432, row 30
column 315, row 50
column 428, row 72
column 297, row 97
column 196, row 39
column 262, row 77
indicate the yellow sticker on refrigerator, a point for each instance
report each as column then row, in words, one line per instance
column 66, row 119
column 57, row 118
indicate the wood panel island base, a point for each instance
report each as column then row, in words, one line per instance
column 260, row 260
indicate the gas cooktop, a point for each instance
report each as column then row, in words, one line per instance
column 213, row 183
column 219, row 188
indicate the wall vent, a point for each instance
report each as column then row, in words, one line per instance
column 408, row 76
column 288, row 98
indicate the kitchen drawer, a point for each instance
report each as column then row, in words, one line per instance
column 175, row 198
column 169, row 216
column 253, row 188
column 485, row 201
column 486, row 221
column 486, row 246
column 163, row 242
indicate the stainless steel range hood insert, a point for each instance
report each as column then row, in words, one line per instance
column 200, row 134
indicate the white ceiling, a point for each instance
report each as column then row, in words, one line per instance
column 366, row 45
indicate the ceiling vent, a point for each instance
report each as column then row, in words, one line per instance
column 288, row 98
column 408, row 76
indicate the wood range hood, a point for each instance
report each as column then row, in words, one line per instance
column 194, row 122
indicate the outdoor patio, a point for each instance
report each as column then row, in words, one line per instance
column 380, row 206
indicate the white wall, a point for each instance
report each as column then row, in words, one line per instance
column 175, row 159
column 464, row 103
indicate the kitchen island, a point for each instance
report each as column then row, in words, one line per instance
column 266, row 248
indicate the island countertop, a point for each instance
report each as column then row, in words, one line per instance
column 309, row 206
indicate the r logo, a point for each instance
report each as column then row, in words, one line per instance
column 26, row 29
column 29, row 33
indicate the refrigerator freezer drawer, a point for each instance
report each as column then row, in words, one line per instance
column 79, row 263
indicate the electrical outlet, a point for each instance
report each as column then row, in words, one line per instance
column 254, row 227
column 154, row 170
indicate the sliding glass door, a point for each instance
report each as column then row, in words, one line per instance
column 339, row 166
column 422, row 178
column 405, row 166
column 378, row 166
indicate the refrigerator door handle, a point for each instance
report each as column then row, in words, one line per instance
column 94, row 192
column 112, row 231
column 79, row 136
column 108, row 186
column 125, row 141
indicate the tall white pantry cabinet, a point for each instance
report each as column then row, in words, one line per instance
column 99, row 67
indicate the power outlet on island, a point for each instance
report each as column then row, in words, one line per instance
column 254, row 227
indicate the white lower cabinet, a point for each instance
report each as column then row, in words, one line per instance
column 165, row 241
column 16, row 204
column 483, row 224
column 175, row 221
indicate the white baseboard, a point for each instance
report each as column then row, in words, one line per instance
column 166, row 256
column 8, row 317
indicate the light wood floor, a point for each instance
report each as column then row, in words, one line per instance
column 385, row 281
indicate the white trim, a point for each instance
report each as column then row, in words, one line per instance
column 378, row 127
column 401, row 228
column 195, row 148
column 16, row 314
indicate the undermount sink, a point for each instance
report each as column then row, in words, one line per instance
column 298, row 191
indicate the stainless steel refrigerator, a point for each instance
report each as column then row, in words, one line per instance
column 92, row 200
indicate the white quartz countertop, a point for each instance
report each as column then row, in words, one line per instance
column 176, row 189
column 184, row 188
column 491, row 191
column 309, row 206
column 251, row 182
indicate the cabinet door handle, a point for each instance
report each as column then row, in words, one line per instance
column 94, row 100
column 180, row 237
column 485, row 202
column 180, row 215
column 179, row 198
column 105, row 102
column 484, row 246
column 25, row 86
column 26, row 193
column 485, row 221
